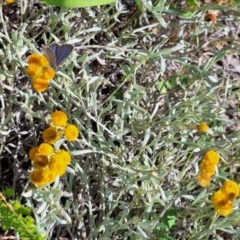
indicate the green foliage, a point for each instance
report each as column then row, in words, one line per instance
column 13, row 215
column 141, row 77
column 162, row 229
column 169, row 218
column 193, row 3
column 8, row 192
column 78, row 3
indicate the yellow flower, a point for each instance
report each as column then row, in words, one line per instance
column 207, row 168
column 203, row 180
column 221, row 203
column 38, row 177
column 62, row 157
column 59, row 119
column 9, row 1
column 32, row 153
column 212, row 156
column 41, row 177
column 50, row 176
column 51, row 135
column 65, row 157
column 56, row 166
column 40, row 84
column 40, row 161
column 48, row 73
column 219, row 199
column 37, row 59
column 71, row 132
column 202, row 127
column 33, row 70
column 225, row 210
column 45, row 149
column 231, row 189
column 39, row 70
column 43, row 61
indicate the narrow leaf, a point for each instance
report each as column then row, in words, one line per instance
column 77, row 3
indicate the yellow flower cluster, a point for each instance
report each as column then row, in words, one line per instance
column 59, row 127
column 40, row 71
column 222, row 199
column 47, row 164
column 207, row 168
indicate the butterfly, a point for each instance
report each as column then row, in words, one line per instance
column 56, row 54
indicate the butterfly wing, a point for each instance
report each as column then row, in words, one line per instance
column 54, row 47
column 50, row 55
column 61, row 52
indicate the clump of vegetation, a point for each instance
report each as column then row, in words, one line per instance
column 120, row 121
column 17, row 217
